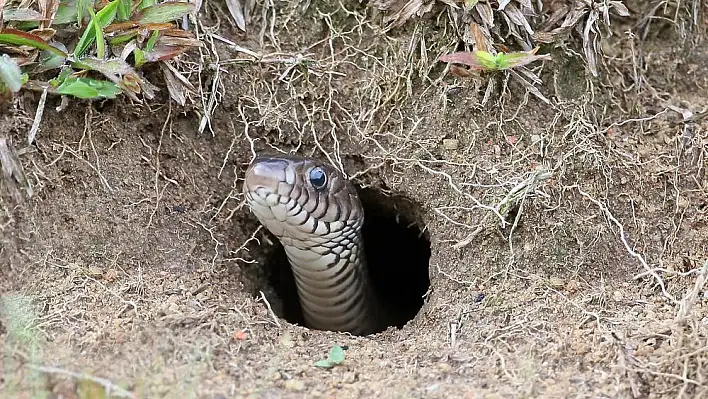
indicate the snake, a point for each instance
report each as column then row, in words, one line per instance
column 316, row 214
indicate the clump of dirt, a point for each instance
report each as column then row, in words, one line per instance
column 567, row 240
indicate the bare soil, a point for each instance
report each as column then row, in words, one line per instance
column 568, row 240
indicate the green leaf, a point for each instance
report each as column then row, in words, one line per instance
column 103, row 18
column 123, row 38
column 165, row 12
column 147, row 3
column 49, row 60
column 125, row 8
column 88, row 88
column 487, row 60
column 63, row 75
column 336, row 355
column 20, row 14
column 120, row 73
column 66, row 13
column 19, row 38
column 81, row 7
column 152, row 40
column 325, row 364
column 10, row 74
column 139, row 56
column 100, row 43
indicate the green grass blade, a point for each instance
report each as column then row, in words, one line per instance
column 103, row 18
column 100, row 43
column 124, row 9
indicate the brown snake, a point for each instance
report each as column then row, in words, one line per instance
column 316, row 214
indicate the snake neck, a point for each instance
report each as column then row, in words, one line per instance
column 335, row 288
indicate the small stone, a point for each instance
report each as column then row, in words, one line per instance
column 572, row 286
column 287, row 340
column 682, row 203
column 350, row 378
column 111, row 275
column 95, row 271
column 294, row 385
column 617, row 296
column 444, row 367
column 450, row 144
column 557, row 282
column 580, row 348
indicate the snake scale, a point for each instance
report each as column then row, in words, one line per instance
column 316, row 214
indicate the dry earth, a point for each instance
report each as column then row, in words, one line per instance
column 567, row 240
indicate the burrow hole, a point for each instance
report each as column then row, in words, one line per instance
column 397, row 255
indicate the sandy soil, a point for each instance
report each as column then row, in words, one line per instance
column 568, row 240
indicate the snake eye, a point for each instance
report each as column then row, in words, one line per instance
column 318, row 178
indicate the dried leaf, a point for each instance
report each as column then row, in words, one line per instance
column 518, row 18
column 479, row 38
column 178, row 92
column 461, row 72
column 530, row 87
column 163, row 53
column 236, row 11
column 620, row 8
column 12, row 172
column 503, row 4
column 589, row 45
column 130, row 26
column 48, row 9
column 485, row 13
column 403, row 10
column 21, row 14
column 179, row 41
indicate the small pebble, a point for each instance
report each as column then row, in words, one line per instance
column 349, row 378
column 557, row 282
column 95, row 271
column 450, row 144
column 294, row 385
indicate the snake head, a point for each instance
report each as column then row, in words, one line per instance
column 302, row 199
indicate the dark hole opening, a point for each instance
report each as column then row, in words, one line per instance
column 397, row 254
